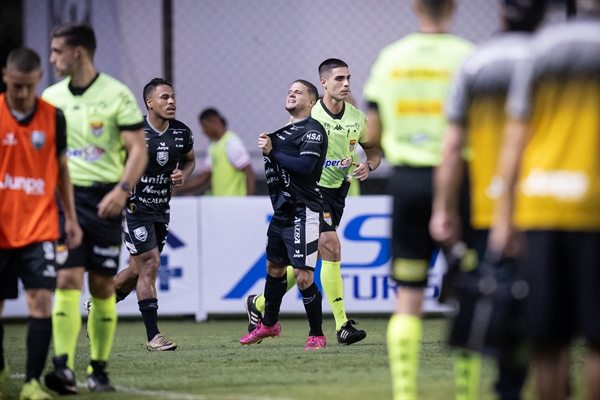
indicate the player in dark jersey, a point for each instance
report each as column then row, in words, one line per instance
column 170, row 161
column 293, row 157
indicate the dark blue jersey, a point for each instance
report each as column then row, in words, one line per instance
column 150, row 197
column 304, row 138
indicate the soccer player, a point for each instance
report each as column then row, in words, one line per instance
column 293, row 157
column 346, row 127
column 475, row 111
column 549, row 180
column 170, row 161
column 106, row 154
column 406, row 91
column 34, row 165
column 227, row 169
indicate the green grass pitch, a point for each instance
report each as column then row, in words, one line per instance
column 211, row 364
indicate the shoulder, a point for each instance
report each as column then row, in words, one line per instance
column 354, row 112
column 313, row 124
column 176, row 124
column 58, row 88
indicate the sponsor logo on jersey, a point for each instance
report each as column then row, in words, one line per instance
column 141, row 233
column 89, row 153
column 561, row 184
column 327, row 218
column 295, row 127
column 97, row 128
column 31, row 186
column 158, row 179
column 9, row 140
column 352, row 145
column 38, row 139
column 162, row 157
column 313, row 137
column 339, row 164
column 338, row 127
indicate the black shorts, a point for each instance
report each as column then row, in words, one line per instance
column 34, row 264
column 293, row 237
column 334, row 201
column 142, row 236
column 563, row 273
column 101, row 245
column 412, row 245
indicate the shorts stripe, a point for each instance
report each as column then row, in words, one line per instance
column 311, row 234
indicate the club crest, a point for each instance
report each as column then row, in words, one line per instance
column 352, row 145
column 38, row 139
column 141, row 233
column 162, row 157
column 327, row 218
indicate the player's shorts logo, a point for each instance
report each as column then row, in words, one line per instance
column 97, row 128
column 141, row 233
column 162, row 157
column 38, row 139
column 327, row 218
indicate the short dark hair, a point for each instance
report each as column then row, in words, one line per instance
column 208, row 113
column 310, row 88
column 23, row 59
column 153, row 84
column 330, row 64
column 436, row 9
column 77, row 35
column 524, row 15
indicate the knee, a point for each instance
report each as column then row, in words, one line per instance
column 70, row 278
column 330, row 249
column 304, row 279
column 149, row 267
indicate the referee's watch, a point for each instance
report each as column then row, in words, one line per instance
column 125, row 186
column 370, row 165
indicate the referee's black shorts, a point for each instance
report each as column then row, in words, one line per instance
column 334, row 201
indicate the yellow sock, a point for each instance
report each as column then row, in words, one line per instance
column 333, row 286
column 66, row 323
column 404, row 343
column 291, row 282
column 467, row 367
column 102, row 324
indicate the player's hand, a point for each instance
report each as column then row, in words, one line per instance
column 177, row 177
column 361, row 172
column 505, row 239
column 445, row 228
column 264, row 143
column 73, row 233
column 113, row 203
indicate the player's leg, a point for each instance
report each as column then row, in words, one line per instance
column 8, row 290
column 257, row 302
column 275, row 283
column 412, row 247
column 126, row 280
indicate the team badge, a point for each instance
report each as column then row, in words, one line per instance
column 141, row 233
column 97, row 128
column 352, row 145
column 162, row 157
column 327, row 218
column 62, row 253
column 38, row 139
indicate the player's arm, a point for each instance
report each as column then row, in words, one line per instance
column 372, row 146
column 515, row 139
column 188, row 162
column 445, row 224
column 302, row 165
column 137, row 158
column 250, row 179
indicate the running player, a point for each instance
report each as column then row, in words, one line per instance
column 406, row 91
column 293, row 157
column 549, row 175
column 346, row 127
column 34, row 164
column 106, row 154
column 170, row 161
column 475, row 110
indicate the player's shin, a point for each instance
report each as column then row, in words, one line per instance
column 404, row 343
column 66, row 323
column 102, row 325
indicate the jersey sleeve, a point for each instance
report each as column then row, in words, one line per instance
column 61, row 133
column 312, row 141
column 129, row 116
column 207, row 163
column 189, row 141
column 458, row 100
column 519, row 100
column 236, row 153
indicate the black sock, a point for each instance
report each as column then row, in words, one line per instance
column 275, row 289
column 149, row 310
column 312, row 299
column 1, row 345
column 120, row 295
column 38, row 343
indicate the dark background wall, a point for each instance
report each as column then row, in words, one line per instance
column 11, row 30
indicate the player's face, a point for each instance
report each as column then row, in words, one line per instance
column 211, row 127
column 65, row 58
column 162, row 102
column 298, row 99
column 20, row 88
column 337, row 84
